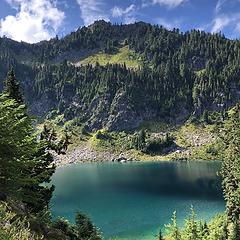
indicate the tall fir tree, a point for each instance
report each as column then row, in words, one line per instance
column 191, row 230
column 12, row 87
column 173, row 229
column 20, row 149
column 24, row 162
column 230, row 134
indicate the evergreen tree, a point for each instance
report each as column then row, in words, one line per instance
column 63, row 144
column 12, row 87
column 191, row 228
column 203, row 230
column 231, row 165
column 160, row 236
column 141, row 139
column 21, row 150
column 173, row 229
column 224, row 232
column 85, row 229
column 234, row 232
column 49, row 135
column 230, row 136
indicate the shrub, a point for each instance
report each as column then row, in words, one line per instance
column 14, row 228
column 154, row 146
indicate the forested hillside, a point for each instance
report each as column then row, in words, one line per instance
column 26, row 168
column 163, row 74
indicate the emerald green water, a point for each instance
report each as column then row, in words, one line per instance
column 133, row 200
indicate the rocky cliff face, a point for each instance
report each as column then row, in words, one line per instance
column 116, row 114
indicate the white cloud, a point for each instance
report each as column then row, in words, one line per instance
column 222, row 21
column 219, row 5
column 204, row 27
column 34, row 21
column 237, row 28
column 127, row 14
column 223, row 18
column 167, row 24
column 92, row 10
column 119, row 12
column 219, row 23
column 167, row 3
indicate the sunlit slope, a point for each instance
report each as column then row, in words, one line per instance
column 123, row 56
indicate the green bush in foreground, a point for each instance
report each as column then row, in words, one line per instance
column 197, row 230
column 83, row 229
column 14, row 228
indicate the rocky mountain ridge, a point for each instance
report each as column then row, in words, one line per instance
column 180, row 75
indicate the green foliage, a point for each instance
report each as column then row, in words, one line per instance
column 102, row 139
column 142, row 141
column 83, row 229
column 191, row 231
column 156, row 125
column 234, row 232
column 216, row 229
column 172, row 229
column 120, row 56
column 160, row 235
column 138, row 140
column 25, row 168
column 65, row 227
column 21, row 150
column 159, row 145
column 200, row 139
column 12, row 87
column 102, row 134
column 49, row 135
column 230, row 170
column 205, row 117
column 111, row 141
column 230, row 136
column 14, row 228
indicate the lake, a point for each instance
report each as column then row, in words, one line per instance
column 134, row 200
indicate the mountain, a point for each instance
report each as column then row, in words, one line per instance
column 117, row 76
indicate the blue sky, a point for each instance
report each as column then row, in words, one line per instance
column 36, row 20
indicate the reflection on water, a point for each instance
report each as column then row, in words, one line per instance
column 133, row 200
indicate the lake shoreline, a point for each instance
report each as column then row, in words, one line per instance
column 87, row 154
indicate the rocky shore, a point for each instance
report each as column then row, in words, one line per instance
column 88, row 154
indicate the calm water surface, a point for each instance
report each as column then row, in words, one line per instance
column 133, row 200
